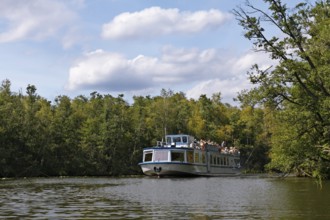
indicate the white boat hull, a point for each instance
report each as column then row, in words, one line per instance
column 185, row 169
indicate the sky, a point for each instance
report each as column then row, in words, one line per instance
column 135, row 48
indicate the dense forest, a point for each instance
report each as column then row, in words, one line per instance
column 281, row 125
column 105, row 135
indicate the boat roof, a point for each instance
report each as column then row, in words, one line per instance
column 177, row 135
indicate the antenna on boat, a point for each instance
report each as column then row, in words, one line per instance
column 165, row 94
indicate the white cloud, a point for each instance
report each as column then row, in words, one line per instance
column 117, row 73
column 175, row 67
column 110, row 71
column 155, row 21
column 33, row 19
column 228, row 88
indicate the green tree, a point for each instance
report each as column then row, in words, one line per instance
column 169, row 113
column 209, row 119
column 36, row 131
column 142, row 128
column 253, row 137
column 161, row 114
column 91, row 143
column 117, row 135
column 66, row 137
column 297, row 88
column 11, row 143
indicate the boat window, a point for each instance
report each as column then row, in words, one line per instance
column 196, row 157
column 203, row 157
column 161, row 155
column 218, row 160
column 176, row 139
column 214, row 160
column 184, row 139
column 169, row 140
column 177, row 156
column 211, row 159
column 190, row 156
column 225, row 161
column 148, row 156
column 221, row 160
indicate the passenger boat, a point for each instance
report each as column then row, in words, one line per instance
column 182, row 155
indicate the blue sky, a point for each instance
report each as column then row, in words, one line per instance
column 75, row 47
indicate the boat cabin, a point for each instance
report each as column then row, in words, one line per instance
column 189, row 156
column 179, row 140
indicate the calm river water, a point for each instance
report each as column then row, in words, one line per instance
column 245, row 197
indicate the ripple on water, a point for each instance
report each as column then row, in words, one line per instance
column 149, row 198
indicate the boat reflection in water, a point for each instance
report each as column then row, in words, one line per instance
column 182, row 155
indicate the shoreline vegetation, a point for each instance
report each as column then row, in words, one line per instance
column 102, row 135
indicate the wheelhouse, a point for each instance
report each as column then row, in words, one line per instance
column 179, row 140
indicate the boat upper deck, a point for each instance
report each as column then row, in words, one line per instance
column 188, row 141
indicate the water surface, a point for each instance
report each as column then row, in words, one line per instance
column 245, row 197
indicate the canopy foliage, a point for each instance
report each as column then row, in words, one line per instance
column 104, row 135
column 297, row 89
